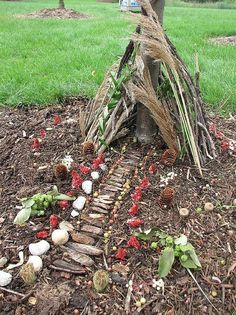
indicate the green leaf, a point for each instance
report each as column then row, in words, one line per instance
column 194, row 257
column 182, row 240
column 105, row 112
column 22, row 216
column 147, row 235
column 101, row 124
column 27, row 202
column 188, row 263
column 63, row 197
column 186, row 248
column 166, row 261
column 112, row 104
column 54, row 191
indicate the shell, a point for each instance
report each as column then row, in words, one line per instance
column 37, row 263
column 5, row 278
column 167, row 196
column 60, row 237
column 88, row 148
column 183, row 212
column 208, row 206
column 79, row 203
column 87, row 186
column 40, row 248
column 168, row 158
column 95, row 175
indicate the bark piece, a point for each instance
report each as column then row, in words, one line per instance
column 110, row 188
column 92, row 229
column 80, row 258
column 117, row 174
column 106, row 196
column 102, row 205
column 128, row 162
column 97, row 216
column 82, row 238
column 67, row 267
column 114, row 183
column 117, row 179
column 96, row 222
column 104, row 201
column 85, row 249
column 99, row 210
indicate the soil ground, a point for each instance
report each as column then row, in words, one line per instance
column 226, row 40
column 56, row 13
column 24, row 172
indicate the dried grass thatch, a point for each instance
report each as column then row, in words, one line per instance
column 129, row 82
column 144, row 93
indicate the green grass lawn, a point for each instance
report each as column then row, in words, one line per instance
column 43, row 60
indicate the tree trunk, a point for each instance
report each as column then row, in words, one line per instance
column 61, row 4
column 145, row 125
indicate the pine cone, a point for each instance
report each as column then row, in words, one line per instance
column 168, row 158
column 167, row 196
column 60, row 171
column 88, row 148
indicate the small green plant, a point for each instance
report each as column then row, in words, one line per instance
column 38, row 204
column 173, row 247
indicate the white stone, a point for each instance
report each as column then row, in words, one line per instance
column 74, row 213
column 5, row 278
column 95, row 175
column 37, row 263
column 40, row 248
column 87, row 186
column 103, row 167
column 60, row 237
column 79, row 203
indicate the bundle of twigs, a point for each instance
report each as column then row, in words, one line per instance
column 176, row 107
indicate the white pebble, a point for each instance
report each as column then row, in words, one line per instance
column 40, row 248
column 87, row 186
column 60, row 237
column 74, row 213
column 95, row 175
column 79, row 203
column 103, row 167
column 37, row 263
column 5, row 278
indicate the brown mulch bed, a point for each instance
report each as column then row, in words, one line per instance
column 55, row 13
column 224, row 40
column 24, row 172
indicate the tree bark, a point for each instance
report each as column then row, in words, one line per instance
column 145, row 125
column 61, row 4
